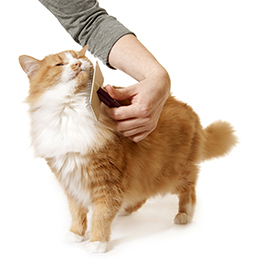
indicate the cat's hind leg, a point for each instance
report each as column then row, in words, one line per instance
column 187, row 200
column 187, row 196
column 79, row 222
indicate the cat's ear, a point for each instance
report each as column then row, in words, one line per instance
column 29, row 65
column 82, row 52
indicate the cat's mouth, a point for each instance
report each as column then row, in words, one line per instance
column 81, row 76
column 79, row 71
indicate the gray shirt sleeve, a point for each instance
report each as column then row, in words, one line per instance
column 88, row 23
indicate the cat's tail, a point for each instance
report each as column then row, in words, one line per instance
column 219, row 140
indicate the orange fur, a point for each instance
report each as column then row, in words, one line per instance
column 116, row 173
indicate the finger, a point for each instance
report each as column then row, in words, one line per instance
column 141, row 131
column 129, row 124
column 123, row 113
column 139, row 137
column 134, row 132
column 120, row 94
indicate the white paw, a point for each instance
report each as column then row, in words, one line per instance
column 182, row 218
column 74, row 238
column 97, row 247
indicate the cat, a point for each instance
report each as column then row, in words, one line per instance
column 96, row 165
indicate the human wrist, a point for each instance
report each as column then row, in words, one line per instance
column 161, row 76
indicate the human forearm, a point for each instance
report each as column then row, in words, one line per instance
column 130, row 56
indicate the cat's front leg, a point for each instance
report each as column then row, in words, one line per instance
column 79, row 221
column 105, row 209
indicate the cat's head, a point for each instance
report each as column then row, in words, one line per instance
column 67, row 67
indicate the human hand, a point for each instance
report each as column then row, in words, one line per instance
column 147, row 98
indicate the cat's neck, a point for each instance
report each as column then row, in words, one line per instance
column 62, row 122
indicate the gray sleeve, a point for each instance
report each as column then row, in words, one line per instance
column 88, row 23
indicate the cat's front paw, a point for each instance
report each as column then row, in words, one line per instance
column 97, row 247
column 74, row 238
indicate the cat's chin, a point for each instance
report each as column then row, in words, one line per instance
column 82, row 77
column 81, row 72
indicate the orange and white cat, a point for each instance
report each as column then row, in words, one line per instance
column 97, row 165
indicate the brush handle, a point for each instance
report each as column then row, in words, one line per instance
column 107, row 99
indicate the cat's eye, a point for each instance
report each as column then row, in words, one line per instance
column 59, row 64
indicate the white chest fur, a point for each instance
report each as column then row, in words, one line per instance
column 72, row 176
column 61, row 122
column 64, row 129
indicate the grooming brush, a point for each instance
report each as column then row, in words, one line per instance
column 98, row 94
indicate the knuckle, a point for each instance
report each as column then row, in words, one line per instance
column 115, row 115
column 144, row 111
column 139, row 138
column 126, row 133
column 149, row 123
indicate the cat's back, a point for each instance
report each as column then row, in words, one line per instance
column 174, row 108
column 177, row 118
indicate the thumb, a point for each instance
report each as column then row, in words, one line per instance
column 119, row 93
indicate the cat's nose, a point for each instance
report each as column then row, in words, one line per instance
column 78, row 64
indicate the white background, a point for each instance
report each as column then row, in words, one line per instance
column 219, row 57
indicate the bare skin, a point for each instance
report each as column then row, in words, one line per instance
column 147, row 96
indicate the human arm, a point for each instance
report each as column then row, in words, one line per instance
column 117, row 47
column 147, row 96
column 88, row 23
